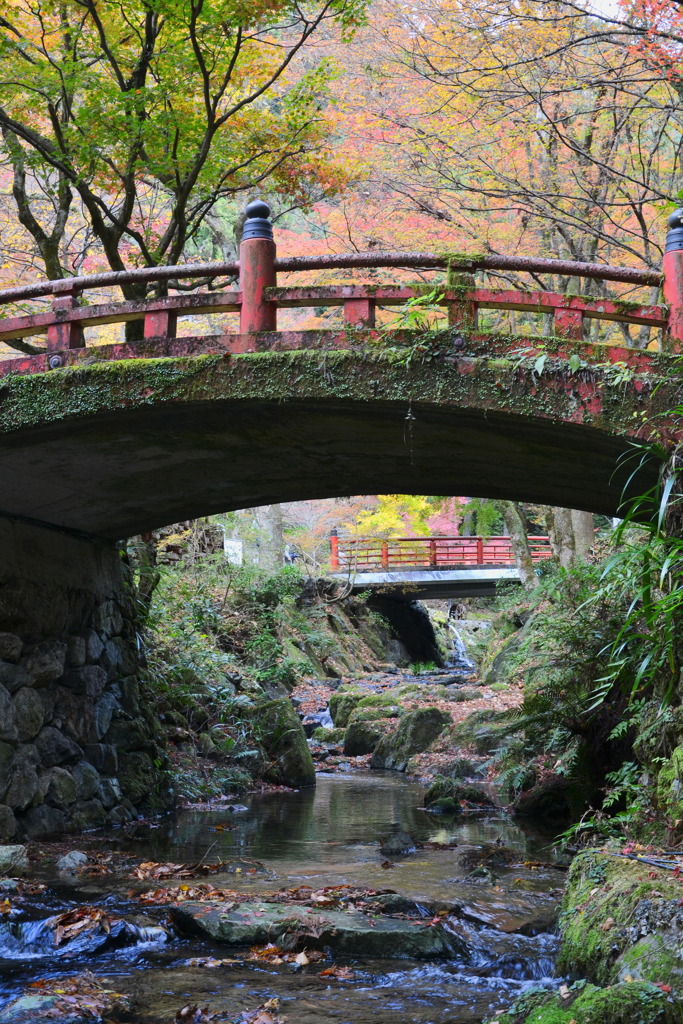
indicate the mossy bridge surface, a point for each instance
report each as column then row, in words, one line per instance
column 109, row 440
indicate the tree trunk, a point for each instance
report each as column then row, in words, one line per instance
column 561, row 533
column 584, row 534
column 515, row 524
column 572, row 534
column 271, row 542
column 145, row 548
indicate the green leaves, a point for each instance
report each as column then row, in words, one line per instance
column 155, row 111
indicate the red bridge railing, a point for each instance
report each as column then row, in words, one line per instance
column 253, row 292
column 370, row 554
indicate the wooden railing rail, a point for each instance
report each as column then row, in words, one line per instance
column 372, row 554
column 257, row 296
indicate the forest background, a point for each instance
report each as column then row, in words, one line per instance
column 133, row 134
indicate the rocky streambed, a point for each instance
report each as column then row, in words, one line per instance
column 307, row 920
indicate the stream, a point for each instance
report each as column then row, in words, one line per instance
column 321, row 837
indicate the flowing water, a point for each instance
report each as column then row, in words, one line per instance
column 320, row 837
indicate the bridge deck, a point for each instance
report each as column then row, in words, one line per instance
column 424, row 584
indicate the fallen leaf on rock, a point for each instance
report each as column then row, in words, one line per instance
column 151, row 870
column 70, row 924
column 274, row 955
column 342, row 973
column 203, row 892
column 209, row 961
column 84, row 993
column 264, row 1014
column 193, row 1014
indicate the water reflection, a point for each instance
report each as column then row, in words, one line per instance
column 325, row 836
column 340, row 821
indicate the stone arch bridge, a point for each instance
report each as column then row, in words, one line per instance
column 99, row 442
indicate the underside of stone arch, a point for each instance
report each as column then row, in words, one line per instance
column 113, row 450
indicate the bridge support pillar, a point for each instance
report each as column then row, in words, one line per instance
column 672, row 265
column 257, row 271
column 78, row 748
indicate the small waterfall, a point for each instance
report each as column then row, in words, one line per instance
column 458, row 658
column 27, row 940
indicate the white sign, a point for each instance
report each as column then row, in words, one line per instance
column 233, row 551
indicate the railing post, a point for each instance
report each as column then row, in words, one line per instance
column 480, row 551
column 385, row 555
column 462, row 313
column 334, row 552
column 568, row 323
column 257, row 270
column 360, row 312
column 66, row 333
column 161, row 324
column 672, row 265
column 432, row 554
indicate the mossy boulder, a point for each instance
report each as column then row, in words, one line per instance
column 548, row 799
column 481, row 730
column 447, row 796
column 463, row 767
column 670, row 786
column 346, row 933
column 372, row 714
column 141, row 781
column 417, row 730
column 363, row 737
column 342, row 703
column 332, row 736
column 281, row 736
column 376, row 700
column 622, row 919
column 463, row 695
column 624, row 1003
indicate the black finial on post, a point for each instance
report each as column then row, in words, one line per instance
column 674, row 238
column 257, row 224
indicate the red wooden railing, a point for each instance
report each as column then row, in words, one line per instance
column 371, row 554
column 252, row 291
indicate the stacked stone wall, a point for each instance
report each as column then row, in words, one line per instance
column 78, row 747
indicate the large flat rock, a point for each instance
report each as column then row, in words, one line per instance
column 350, row 933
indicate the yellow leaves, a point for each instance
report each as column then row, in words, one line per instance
column 394, row 516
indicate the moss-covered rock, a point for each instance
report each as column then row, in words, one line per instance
column 373, row 714
column 462, row 767
column 545, row 800
column 463, row 694
column 416, row 732
column 323, row 735
column 342, row 703
column 508, row 657
column 141, row 781
column 446, row 796
column 670, row 786
column 362, row 737
column 480, row 731
column 624, row 1003
column 622, row 920
column 348, row 932
column 282, row 738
